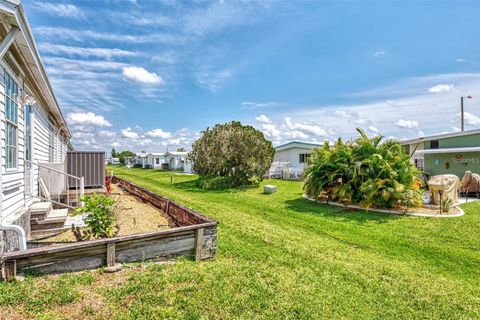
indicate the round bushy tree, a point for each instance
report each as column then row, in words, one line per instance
column 230, row 155
column 365, row 172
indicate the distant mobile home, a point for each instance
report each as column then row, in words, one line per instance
column 291, row 159
column 451, row 153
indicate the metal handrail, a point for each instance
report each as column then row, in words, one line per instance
column 54, row 170
column 79, row 183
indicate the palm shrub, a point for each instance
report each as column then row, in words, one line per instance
column 365, row 172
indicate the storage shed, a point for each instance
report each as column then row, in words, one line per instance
column 87, row 164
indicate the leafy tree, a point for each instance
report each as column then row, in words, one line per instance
column 231, row 154
column 365, row 172
column 125, row 154
column 114, row 153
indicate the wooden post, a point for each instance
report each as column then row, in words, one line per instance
column 111, row 254
column 9, row 269
column 198, row 244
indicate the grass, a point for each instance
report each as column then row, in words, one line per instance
column 279, row 257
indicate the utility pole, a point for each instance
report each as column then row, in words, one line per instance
column 461, row 112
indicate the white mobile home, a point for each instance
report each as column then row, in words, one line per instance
column 176, row 159
column 140, row 159
column 156, row 160
column 290, row 159
column 33, row 133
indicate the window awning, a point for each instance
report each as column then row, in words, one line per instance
column 448, row 150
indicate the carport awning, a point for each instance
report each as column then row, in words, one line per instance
column 448, row 150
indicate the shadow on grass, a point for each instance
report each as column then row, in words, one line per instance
column 302, row 205
column 192, row 186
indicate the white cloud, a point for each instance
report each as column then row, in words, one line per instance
column 421, row 134
column 410, row 124
column 379, row 53
column 310, row 129
column 87, row 118
column 107, row 53
column 60, row 9
column 271, row 130
column 360, row 121
column 141, row 75
column 128, row 133
column 158, row 133
column 61, row 33
column 470, row 119
column 248, row 105
column 342, row 113
column 441, row 88
column 263, row 118
column 373, row 129
column 213, row 80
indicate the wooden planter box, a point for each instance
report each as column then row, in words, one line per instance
column 195, row 235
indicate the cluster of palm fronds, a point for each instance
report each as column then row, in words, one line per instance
column 365, row 172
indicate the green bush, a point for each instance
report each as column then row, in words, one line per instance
column 101, row 220
column 364, row 172
column 234, row 153
column 216, row 182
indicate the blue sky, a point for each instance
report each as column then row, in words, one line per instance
column 144, row 75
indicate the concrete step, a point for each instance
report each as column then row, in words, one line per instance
column 40, row 210
column 55, row 219
column 39, row 234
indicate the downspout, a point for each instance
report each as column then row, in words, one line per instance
column 22, row 239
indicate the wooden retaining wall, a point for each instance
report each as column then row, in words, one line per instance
column 195, row 236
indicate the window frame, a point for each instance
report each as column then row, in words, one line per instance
column 51, row 144
column 11, row 121
column 27, row 116
column 303, row 158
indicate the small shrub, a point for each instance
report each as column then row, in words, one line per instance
column 101, row 220
column 446, row 204
column 137, row 165
column 217, row 183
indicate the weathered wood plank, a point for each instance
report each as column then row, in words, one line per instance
column 9, row 270
column 198, row 244
column 110, row 254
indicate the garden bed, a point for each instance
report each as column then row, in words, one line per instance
column 426, row 211
column 133, row 216
column 192, row 234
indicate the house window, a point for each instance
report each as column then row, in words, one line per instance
column 28, row 132
column 11, row 123
column 419, row 163
column 434, row 144
column 303, row 157
column 51, row 143
column 157, row 160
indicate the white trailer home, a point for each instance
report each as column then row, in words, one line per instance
column 177, row 159
column 156, row 160
column 33, row 136
column 290, row 159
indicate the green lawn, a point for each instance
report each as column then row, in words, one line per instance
column 279, row 257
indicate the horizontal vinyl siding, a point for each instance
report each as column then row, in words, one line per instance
column 15, row 199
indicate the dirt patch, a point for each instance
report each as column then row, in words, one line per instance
column 133, row 216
